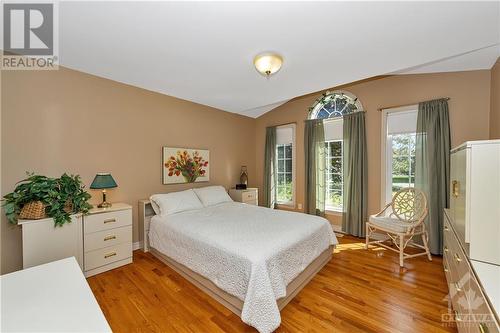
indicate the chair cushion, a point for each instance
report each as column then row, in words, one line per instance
column 390, row 223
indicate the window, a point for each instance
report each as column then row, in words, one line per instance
column 403, row 161
column 398, row 153
column 284, row 173
column 334, row 104
column 285, row 165
column 334, row 176
column 331, row 107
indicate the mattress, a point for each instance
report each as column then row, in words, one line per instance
column 250, row 252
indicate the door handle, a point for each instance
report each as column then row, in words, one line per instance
column 455, row 188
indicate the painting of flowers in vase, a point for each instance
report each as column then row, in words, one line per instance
column 184, row 165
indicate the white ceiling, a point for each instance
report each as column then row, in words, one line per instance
column 203, row 52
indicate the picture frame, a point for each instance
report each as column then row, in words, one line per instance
column 185, row 165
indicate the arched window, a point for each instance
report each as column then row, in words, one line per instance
column 334, row 104
column 330, row 107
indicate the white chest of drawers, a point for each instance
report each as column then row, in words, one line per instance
column 473, row 286
column 249, row 196
column 107, row 238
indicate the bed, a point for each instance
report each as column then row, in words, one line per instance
column 251, row 259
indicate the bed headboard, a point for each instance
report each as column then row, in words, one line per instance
column 146, row 212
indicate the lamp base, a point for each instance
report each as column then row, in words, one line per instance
column 104, row 204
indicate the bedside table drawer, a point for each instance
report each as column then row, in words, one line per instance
column 251, row 202
column 107, row 255
column 106, row 221
column 249, row 196
column 112, row 237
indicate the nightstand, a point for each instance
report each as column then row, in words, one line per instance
column 107, row 238
column 249, row 196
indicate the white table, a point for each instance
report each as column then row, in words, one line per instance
column 53, row 297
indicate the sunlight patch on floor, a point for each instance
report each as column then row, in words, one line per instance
column 357, row 246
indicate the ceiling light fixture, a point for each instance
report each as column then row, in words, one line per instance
column 268, row 63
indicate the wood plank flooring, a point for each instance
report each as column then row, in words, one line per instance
column 358, row 291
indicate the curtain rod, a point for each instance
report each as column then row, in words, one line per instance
column 399, row 106
column 286, row 124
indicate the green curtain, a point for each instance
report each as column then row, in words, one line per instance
column 355, row 174
column 269, row 168
column 432, row 165
column 314, row 148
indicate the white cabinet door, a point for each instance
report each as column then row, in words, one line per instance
column 43, row 242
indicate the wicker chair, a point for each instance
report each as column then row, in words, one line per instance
column 401, row 220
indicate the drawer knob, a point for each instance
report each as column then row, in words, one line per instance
column 483, row 328
column 457, row 258
column 107, row 238
column 457, row 286
column 446, row 249
column 106, row 256
column 109, row 221
column 457, row 316
column 446, row 228
column 445, row 268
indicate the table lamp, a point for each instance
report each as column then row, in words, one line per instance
column 102, row 181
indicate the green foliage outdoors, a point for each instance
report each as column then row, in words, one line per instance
column 54, row 193
column 403, row 161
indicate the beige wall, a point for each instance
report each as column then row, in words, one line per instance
column 495, row 102
column 469, row 116
column 67, row 121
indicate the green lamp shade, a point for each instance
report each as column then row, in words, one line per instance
column 102, row 181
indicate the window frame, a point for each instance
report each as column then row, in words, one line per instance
column 291, row 203
column 332, row 209
column 386, row 159
column 320, row 103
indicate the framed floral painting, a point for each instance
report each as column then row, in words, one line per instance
column 185, row 165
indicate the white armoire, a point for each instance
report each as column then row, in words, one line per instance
column 471, row 236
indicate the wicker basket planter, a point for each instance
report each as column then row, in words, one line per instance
column 34, row 210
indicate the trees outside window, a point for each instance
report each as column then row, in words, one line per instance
column 284, row 173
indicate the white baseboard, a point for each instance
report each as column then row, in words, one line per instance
column 136, row 245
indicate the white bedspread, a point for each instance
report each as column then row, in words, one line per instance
column 250, row 252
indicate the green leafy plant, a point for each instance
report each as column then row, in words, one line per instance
column 61, row 196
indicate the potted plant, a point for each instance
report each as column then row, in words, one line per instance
column 40, row 196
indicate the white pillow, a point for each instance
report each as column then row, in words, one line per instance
column 175, row 202
column 212, row 195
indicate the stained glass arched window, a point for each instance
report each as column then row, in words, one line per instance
column 334, row 104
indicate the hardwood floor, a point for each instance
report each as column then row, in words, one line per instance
column 358, row 291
